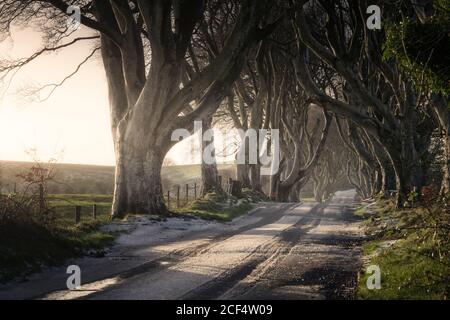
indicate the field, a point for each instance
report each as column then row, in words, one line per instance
column 89, row 179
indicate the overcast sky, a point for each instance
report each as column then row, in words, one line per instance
column 74, row 120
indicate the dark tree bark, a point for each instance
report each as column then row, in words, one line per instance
column 386, row 169
column 298, row 174
column 396, row 133
column 143, row 132
column 243, row 175
column 442, row 110
column 294, row 194
column 210, row 174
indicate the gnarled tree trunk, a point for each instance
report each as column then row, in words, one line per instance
column 143, row 123
column 138, row 186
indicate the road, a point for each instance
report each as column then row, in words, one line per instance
column 278, row 251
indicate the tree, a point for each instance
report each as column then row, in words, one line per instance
column 237, row 111
column 302, row 143
column 385, row 106
column 421, row 46
column 144, row 46
column 248, row 108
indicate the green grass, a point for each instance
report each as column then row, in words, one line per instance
column 416, row 265
column 64, row 206
column 371, row 247
column 26, row 247
column 217, row 207
column 407, row 272
column 360, row 212
column 80, row 199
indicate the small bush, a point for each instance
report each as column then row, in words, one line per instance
column 32, row 234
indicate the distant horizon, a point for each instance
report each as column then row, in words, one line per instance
column 112, row 166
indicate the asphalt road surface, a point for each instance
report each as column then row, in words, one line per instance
column 278, row 251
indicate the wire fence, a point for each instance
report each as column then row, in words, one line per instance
column 176, row 197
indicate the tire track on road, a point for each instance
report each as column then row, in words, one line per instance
column 258, row 263
column 269, row 214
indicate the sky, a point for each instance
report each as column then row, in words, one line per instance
column 73, row 124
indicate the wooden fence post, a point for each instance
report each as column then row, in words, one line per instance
column 187, row 193
column 94, row 211
column 77, row 214
column 178, row 196
column 195, row 190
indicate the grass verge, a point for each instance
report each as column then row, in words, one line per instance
column 26, row 246
column 216, row 207
column 412, row 253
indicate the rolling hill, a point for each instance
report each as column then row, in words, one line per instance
column 91, row 179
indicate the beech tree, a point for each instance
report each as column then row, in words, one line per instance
column 385, row 106
column 302, row 142
column 144, row 46
column 249, row 107
column 268, row 64
column 419, row 40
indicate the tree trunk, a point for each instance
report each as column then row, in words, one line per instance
column 255, row 168
column 255, row 177
column 366, row 178
column 294, row 193
column 318, row 195
column 443, row 113
column 386, row 169
column 274, row 184
column 242, row 166
column 210, row 175
column 387, row 179
column 445, row 186
column 210, row 179
column 283, row 193
column 377, row 183
column 242, row 175
column 146, row 110
column 138, row 187
column 319, row 189
column 408, row 173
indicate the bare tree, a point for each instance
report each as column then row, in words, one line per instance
column 385, row 105
column 302, row 142
column 144, row 46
